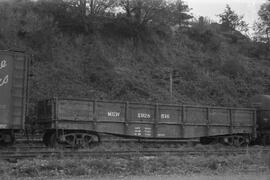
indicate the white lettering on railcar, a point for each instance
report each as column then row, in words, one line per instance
column 144, row 115
column 147, row 131
column 113, row 114
column 165, row 116
column 4, row 81
column 161, row 135
column 3, row 64
column 137, row 131
column 142, row 131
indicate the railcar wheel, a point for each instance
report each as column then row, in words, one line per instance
column 265, row 139
column 54, row 141
column 236, row 140
column 46, row 138
column 87, row 140
column 83, row 140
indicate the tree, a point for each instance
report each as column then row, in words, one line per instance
column 76, row 15
column 232, row 21
column 143, row 11
column 156, row 11
column 92, row 7
column 263, row 26
column 180, row 13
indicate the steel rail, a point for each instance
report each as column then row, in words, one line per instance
column 140, row 153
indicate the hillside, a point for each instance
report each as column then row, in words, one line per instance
column 102, row 67
column 116, row 60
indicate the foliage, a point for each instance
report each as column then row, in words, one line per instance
column 93, row 7
column 114, row 57
column 232, row 21
column 156, row 11
column 204, row 32
column 180, row 13
column 143, row 11
column 263, row 26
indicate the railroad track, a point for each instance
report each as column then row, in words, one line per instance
column 140, row 153
column 36, row 143
column 122, row 140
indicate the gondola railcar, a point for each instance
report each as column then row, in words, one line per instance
column 79, row 121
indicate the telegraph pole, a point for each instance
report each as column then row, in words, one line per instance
column 171, row 86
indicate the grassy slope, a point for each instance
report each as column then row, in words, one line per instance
column 106, row 67
column 211, row 67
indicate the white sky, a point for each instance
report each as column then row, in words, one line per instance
column 211, row 8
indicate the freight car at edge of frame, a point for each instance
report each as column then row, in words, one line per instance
column 13, row 94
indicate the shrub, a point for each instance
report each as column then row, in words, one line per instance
column 232, row 68
column 206, row 36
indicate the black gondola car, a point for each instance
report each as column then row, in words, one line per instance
column 76, row 121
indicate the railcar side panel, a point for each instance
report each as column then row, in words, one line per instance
column 112, row 127
column 110, row 112
column 196, row 115
column 169, row 131
column 219, row 116
column 219, row 130
column 169, row 121
column 242, row 118
column 6, row 69
column 109, row 117
column 151, row 120
column 74, row 114
column 141, row 113
column 140, row 130
column 13, row 89
column 241, row 129
column 193, row 131
column 75, row 110
column 219, row 121
column 169, row 114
